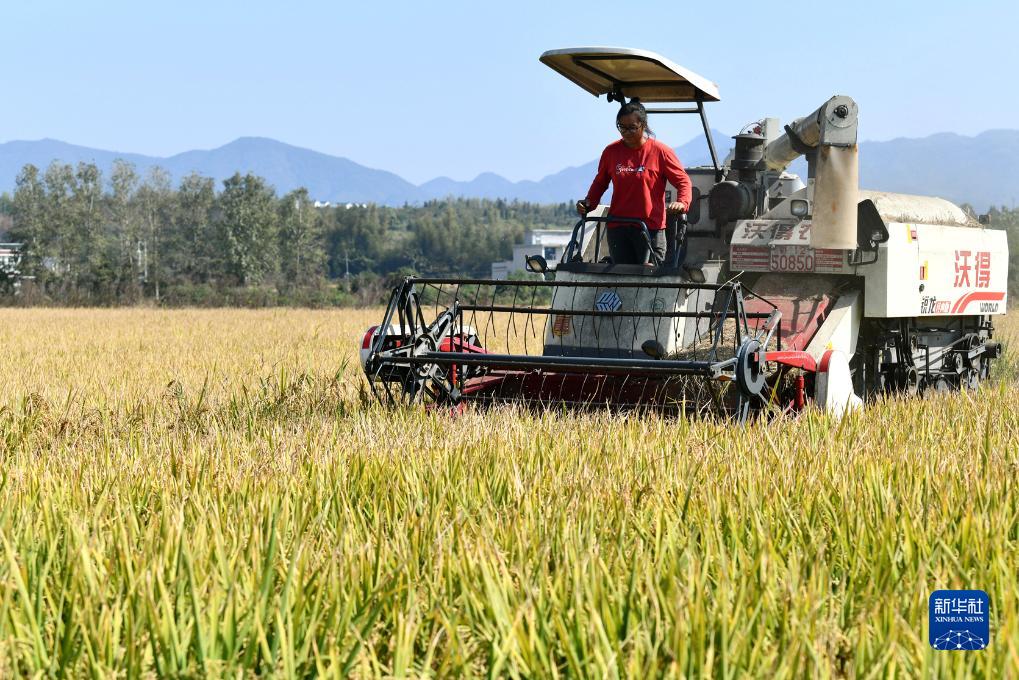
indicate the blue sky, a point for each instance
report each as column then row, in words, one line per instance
column 455, row 88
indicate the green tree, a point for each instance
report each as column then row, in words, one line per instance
column 356, row 241
column 302, row 258
column 190, row 251
column 58, row 225
column 1008, row 220
column 155, row 205
column 124, row 225
column 28, row 208
column 247, row 229
column 93, row 273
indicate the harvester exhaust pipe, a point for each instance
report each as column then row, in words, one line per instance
column 828, row 138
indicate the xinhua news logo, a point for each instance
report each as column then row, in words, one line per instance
column 959, row 619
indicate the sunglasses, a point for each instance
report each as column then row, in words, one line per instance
column 627, row 128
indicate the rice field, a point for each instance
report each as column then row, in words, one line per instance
column 208, row 494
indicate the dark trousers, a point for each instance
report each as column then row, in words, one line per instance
column 627, row 245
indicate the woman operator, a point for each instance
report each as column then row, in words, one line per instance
column 637, row 165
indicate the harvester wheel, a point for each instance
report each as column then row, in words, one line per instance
column 750, row 375
column 910, row 381
column 970, row 379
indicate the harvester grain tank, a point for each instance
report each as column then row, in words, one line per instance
column 776, row 290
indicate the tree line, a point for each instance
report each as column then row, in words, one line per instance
column 125, row 239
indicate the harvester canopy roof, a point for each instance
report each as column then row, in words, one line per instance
column 632, row 73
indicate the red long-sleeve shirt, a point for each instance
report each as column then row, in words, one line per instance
column 638, row 181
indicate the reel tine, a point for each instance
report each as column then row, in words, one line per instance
column 742, row 410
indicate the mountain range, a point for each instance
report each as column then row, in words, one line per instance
column 982, row 170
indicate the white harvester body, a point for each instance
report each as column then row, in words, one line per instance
column 853, row 292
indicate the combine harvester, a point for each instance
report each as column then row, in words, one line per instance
column 775, row 291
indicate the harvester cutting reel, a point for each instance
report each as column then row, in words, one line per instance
column 444, row 362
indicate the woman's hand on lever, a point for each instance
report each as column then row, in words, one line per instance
column 676, row 207
column 582, row 208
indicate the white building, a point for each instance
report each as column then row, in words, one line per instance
column 10, row 258
column 549, row 243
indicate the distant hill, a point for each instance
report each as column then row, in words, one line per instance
column 981, row 170
column 285, row 167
